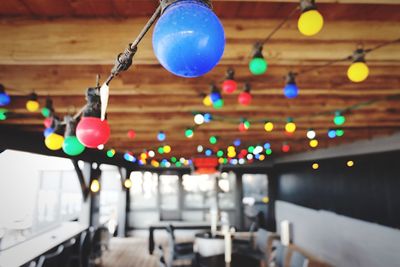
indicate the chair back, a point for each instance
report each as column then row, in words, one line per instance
column 298, row 260
column 51, row 259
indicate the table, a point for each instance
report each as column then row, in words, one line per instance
column 177, row 226
column 207, row 244
column 30, row 249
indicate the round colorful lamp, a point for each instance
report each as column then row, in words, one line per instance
column 188, row 39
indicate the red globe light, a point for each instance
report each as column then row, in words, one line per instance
column 244, row 98
column 131, row 134
column 47, row 122
column 92, row 131
column 285, row 148
column 242, row 127
column 229, row 86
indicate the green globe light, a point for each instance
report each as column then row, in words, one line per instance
column 246, row 124
column 3, row 115
column 225, row 160
column 110, row 153
column 339, row 132
column 258, row 66
column 339, row 119
column 72, row 146
column 268, row 151
column 250, row 149
column 218, row 104
column 178, row 164
column 173, row 159
column 220, row 153
column 161, row 150
column 189, row 133
column 46, row 112
column 213, row 140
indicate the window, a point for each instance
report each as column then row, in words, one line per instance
column 40, row 195
column 144, row 190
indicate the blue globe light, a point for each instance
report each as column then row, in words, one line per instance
column 207, row 117
column 188, row 39
column 331, row 133
column 48, row 131
column 215, row 96
column 161, row 136
column 267, row 146
column 237, row 142
column 4, row 99
column 208, row 152
column 291, row 90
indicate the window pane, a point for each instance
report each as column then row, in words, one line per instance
column 71, row 197
column 169, row 190
column 143, row 192
column 199, row 190
column 226, row 190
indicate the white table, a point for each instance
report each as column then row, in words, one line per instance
column 30, row 249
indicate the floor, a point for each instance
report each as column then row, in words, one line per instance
column 129, row 252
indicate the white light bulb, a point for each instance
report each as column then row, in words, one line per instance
column 199, row 119
column 311, row 134
column 200, row 148
column 151, row 154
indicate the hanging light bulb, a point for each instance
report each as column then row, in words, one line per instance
column 47, row 122
column 339, row 132
column 3, row 114
column 48, row 131
column 258, row 65
column 91, row 130
column 200, row 148
column 189, row 132
column 285, row 147
column 311, row 21
column 213, row 140
column 167, row 149
column 188, row 39
column 331, row 133
column 339, row 119
column 128, row 183
column 131, row 134
column 110, row 153
column 71, row 145
column 229, row 85
column 237, row 142
column 198, row 119
column 290, row 126
column 311, row 134
column 245, row 97
column 207, row 101
column 32, row 104
column 95, row 186
column 291, row 90
column 218, row 104
column 207, row 117
column 48, row 109
column 313, row 143
column 4, row 97
column 268, row 126
column 161, row 136
column 55, row 140
column 358, row 70
column 244, row 125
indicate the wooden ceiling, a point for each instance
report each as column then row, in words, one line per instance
column 58, row 47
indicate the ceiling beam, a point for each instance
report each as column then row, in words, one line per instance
column 98, row 41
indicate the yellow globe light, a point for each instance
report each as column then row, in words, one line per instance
column 54, row 141
column 128, row 183
column 268, row 126
column 313, row 143
column 95, row 186
column 32, row 105
column 358, row 72
column 350, row 163
column 310, row 22
column 315, row 166
column 207, row 101
column 167, row 149
column 290, row 127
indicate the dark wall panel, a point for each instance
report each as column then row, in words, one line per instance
column 370, row 190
